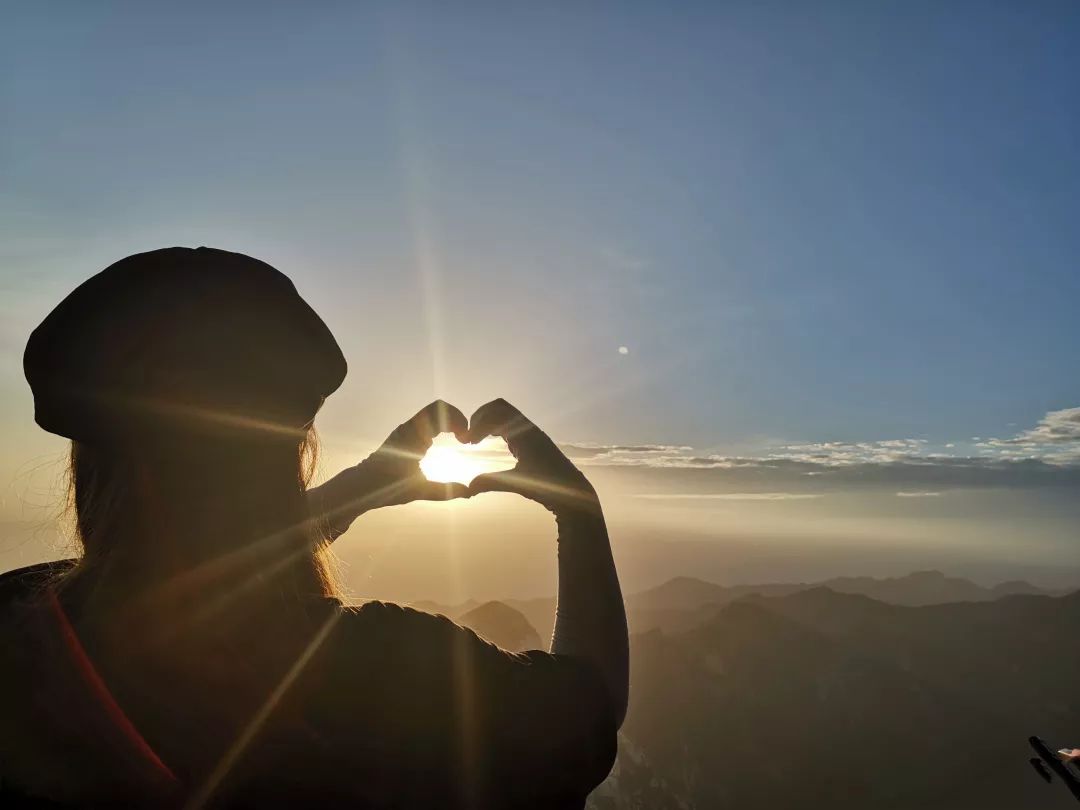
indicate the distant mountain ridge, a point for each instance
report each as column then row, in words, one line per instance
column 914, row 589
column 684, row 602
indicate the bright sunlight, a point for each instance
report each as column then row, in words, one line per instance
column 450, row 460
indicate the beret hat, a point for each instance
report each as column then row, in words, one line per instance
column 181, row 339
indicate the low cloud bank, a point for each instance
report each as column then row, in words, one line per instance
column 1046, row 455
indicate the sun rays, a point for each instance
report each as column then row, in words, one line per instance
column 449, row 460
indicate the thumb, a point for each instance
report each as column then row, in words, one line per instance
column 505, row 481
column 442, row 491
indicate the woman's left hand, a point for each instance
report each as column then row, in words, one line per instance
column 391, row 476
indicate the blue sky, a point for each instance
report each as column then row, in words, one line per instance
column 808, row 223
column 827, row 224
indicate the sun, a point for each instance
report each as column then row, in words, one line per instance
column 449, row 460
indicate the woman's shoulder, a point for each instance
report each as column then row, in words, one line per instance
column 390, row 664
column 540, row 722
column 19, row 584
column 399, row 625
column 378, row 609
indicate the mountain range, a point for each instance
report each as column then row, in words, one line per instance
column 829, row 696
column 685, row 602
column 826, row 700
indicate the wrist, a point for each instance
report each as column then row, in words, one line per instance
column 342, row 499
column 364, row 480
column 581, row 509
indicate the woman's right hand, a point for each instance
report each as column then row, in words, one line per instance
column 543, row 473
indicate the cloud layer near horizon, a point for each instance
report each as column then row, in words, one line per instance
column 1045, row 455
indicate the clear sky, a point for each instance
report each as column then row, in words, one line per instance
column 838, row 235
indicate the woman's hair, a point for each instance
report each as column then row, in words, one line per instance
column 226, row 513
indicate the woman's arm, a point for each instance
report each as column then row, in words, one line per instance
column 590, row 620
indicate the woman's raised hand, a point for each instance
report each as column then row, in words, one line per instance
column 391, row 475
column 543, row 473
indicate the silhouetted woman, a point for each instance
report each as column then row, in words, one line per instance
column 196, row 655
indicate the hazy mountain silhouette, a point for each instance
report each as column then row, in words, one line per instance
column 685, row 602
column 502, row 625
column 917, row 588
column 927, row 588
column 1016, row 587
column 539, row 614
column 826, row 700
column 446, row 610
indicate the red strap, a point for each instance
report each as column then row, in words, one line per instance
column 101, row 691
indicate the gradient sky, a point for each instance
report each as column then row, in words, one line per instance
column 839, row 235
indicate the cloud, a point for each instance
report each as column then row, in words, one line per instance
column 654, row 455
column 1055, row 427
column 918, row 478
column 1055, row 438
column 588, row 448
column 732, row 496
column 882, row 451
column 1047, row 455
column 918, row 494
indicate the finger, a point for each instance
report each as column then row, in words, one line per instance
column 549, row 493
column 500, row 418
column 506, row 481
column 493, row 419
column 441, row 417
column 440, row 491
column 438, row 417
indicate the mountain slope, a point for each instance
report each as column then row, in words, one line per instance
column 502, row 625
column 827, row 700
